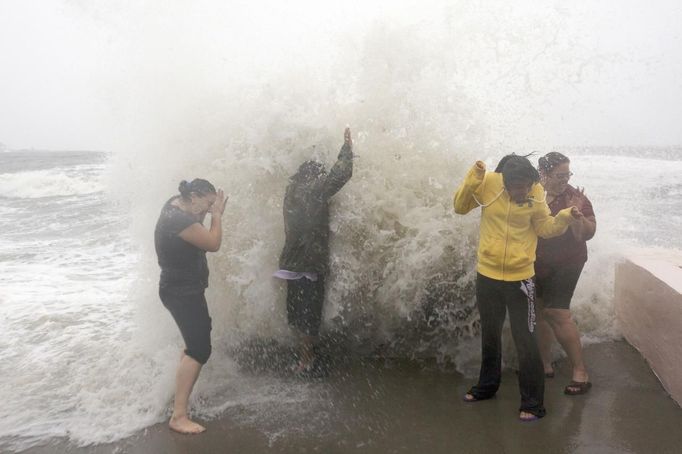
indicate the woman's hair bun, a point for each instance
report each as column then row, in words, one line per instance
column 184, row 188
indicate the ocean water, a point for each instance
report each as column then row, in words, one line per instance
column 87, row 351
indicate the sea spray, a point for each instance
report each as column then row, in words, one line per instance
column 418, row 99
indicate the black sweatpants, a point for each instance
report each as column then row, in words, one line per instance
column 494, row 298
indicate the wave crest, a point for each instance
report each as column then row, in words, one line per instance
column 49, row 183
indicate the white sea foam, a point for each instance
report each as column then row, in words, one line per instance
column 418, row 101
column 49, row 183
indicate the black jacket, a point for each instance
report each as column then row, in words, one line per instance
column 306, row 216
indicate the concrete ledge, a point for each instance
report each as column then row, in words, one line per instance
column 648, row 303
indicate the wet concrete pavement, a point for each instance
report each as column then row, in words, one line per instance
column 403, row 408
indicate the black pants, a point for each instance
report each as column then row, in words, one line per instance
column 190, row 313
column 304, row 304
column 494, row 299
column 556, row 285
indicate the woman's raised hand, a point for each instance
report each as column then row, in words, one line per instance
column 576, row 213
column 480, row 168
column 218, row 206
column 578, row 200
column 347, row 137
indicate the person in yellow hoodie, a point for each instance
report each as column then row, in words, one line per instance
column 514, row 214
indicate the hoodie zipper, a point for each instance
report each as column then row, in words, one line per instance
column 506, row 238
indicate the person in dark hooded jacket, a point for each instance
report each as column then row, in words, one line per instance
column 304, row 261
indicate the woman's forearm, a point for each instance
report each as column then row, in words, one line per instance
column 216, row 231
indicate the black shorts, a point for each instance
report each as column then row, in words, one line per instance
column 556, row 286
column 190, row 313
column 304, row 304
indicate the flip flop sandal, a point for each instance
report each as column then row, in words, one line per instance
column 530, row 418
column 466, row 398
column 576, row 388
column 473, row 397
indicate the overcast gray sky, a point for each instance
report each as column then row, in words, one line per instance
column 68, row 69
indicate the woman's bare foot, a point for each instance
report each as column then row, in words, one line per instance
column 580, row 375
column 184, row 425
column 549, row 369
column 302, row 367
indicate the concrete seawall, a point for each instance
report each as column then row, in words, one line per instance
column 648, row 302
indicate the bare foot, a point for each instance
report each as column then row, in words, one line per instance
column 300, row 371
column 302, row 366
column 580, row 376
column 184, row 425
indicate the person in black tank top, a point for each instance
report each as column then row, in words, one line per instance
column 181, row 243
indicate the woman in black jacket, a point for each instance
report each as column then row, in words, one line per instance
column 304, row 260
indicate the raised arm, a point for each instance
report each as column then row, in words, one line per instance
column 342, row 170
column 208, row 239
column 464, row 196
